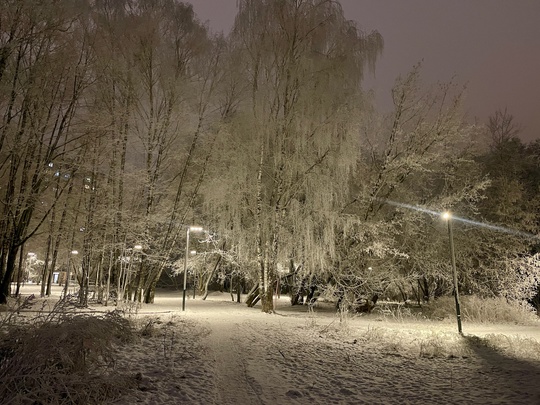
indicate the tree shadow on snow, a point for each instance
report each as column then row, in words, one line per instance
column 521, row 376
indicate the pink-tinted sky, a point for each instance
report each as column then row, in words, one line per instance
column 491, row 46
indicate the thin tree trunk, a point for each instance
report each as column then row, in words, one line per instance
column 20, row 272
column 260, row 259
column 216, row 266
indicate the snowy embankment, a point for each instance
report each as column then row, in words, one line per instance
column 220, row 352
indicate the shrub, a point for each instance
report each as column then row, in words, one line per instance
column 62, row 360
column 481, row 310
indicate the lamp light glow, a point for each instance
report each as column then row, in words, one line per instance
column 188, row 230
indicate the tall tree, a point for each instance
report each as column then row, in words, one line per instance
column 416, row 162
column 156, row 68
column 43, row 69
column 511, row 204
column 304, row 63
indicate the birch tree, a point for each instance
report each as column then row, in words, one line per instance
column 294, row 130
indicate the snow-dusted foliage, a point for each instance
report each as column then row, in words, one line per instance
column 286, row 156
column 523, row 278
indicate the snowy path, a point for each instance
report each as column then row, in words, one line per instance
column 227, row 350
column 243, row 349
column 302, row 358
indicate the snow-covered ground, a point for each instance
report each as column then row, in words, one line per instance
column 221, row 352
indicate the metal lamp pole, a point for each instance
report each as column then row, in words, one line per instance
column 194, row 229
column 68, row 273
column 448, row 217
column 192, row 253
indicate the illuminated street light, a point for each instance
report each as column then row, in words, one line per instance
column 138, row 272
column 193, row 253
column 189, row 229
column 447, row 216
column 73, row 253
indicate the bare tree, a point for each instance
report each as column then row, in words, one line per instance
column 44, row 74
column 502, row 128
column 416, row 162
column 155, row 68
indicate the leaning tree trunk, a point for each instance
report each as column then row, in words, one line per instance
column 253, row 296
column 216, row 266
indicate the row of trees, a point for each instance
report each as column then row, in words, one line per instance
column 125, row 121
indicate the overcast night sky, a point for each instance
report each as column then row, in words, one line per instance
column 491, row 46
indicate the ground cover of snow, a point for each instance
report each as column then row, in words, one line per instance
column 221, row 352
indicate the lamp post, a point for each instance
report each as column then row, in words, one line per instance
column 447, row 216
column 31, row 258
column 193, row 253
column 138, row 273
column 189, row 229
column 73, row 252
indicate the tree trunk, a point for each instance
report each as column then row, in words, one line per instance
column 253, row 296
column 238, row 288
column 5, row 284
column 20, row 272
column 216, row 266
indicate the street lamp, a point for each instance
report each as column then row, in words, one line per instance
column 193, row 253
column 73, row 252
column 189, row 229
column 138, row 273
column 447, row 216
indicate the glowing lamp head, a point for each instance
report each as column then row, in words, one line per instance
column 447, row 215
column 195, row 229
